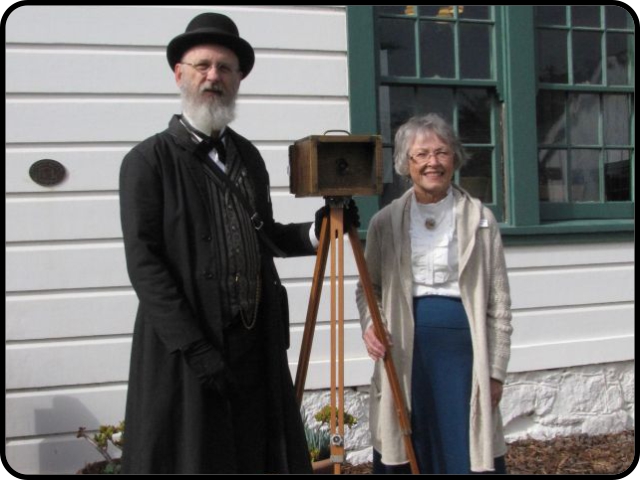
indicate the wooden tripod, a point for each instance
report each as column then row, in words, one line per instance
column 331, row 238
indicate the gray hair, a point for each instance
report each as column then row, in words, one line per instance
column 430, row 123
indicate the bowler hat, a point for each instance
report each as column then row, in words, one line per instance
column 212, row 28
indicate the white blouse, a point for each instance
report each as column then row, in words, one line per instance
column 434, row 248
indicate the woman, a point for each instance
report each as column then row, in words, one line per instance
column 437, row 265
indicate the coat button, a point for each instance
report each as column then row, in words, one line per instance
column 206, row 238
column 208, row 275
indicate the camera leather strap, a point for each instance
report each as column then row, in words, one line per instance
column 214, row 172
column 205, row 145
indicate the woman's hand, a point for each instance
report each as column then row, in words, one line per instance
column 375, row 348
column 496, row 392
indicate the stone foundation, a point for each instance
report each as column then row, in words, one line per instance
column 592, row 399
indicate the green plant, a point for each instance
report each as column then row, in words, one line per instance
column 317, row 441
column 324, row 417
column 107, row 434
column 318, row 438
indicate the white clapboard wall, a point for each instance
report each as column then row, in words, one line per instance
column 85, row 84
column 572, row 305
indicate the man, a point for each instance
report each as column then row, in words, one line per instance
column 209, row 386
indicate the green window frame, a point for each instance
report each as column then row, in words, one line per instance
column 516, row 195
column 585, row 111
column 445, row 78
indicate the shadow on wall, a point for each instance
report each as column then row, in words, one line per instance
column 56, row 450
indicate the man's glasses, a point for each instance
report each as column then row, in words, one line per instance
column 205, row 67
column 422, row 157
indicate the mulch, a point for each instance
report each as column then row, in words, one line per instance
column 579, row 454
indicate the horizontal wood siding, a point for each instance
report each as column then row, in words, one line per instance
column 572, row 305
column 69, row 304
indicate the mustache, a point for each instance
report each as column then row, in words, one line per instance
column 212, row 88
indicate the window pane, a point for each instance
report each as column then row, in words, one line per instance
column 436, row 50
column 475, row 48
column 551, row 15
column 436, row 100
column 436, row 10
column 552, row 120
column 587, row 56
column 397, row 47
column 552, row 56
column 387, row 165
column 396, row 9
column 583, row 121
column 585, row 176
column 618, row 58
column 552, row 174
column 396, row 107
column 617, row 176
column 585, row 16
column 477, row 12
column 395, row 189
column 617, row 130
column 476, row 176
column 474, row 115
column 618, row 17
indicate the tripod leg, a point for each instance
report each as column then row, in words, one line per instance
column 312, row 310
column 403, row 418
column 337, row 338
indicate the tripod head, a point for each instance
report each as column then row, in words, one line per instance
column 337, row 202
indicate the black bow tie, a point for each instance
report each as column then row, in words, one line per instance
column 208, row 143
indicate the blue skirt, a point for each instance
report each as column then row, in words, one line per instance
column 440, row 390
column 441, row 385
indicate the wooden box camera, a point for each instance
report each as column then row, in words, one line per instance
column 336, row 166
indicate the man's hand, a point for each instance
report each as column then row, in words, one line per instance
column 350, row 217
column 209, row 367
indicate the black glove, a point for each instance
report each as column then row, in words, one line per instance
column 350, row 217
column 208, row 366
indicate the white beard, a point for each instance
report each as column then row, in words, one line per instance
column 209, row 116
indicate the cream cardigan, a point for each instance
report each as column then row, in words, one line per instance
column 485, row 295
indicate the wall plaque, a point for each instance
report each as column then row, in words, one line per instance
column 47, row 172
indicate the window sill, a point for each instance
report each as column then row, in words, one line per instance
column 574, row 231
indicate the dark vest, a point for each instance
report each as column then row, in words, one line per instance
column 238, row 260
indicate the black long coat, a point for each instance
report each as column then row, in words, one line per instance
column 173, row 424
